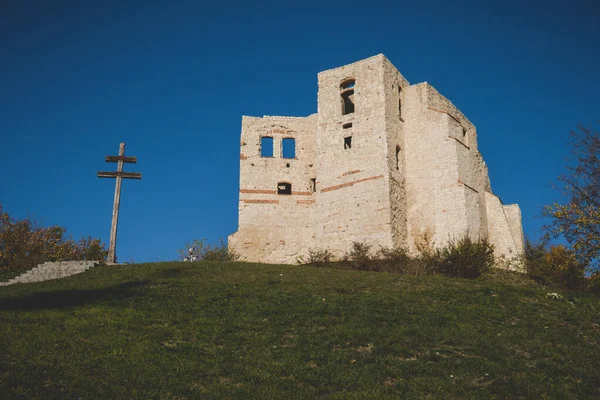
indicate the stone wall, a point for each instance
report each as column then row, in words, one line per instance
column 394, row 89
column 504, row 227
column 353, row 201
column 382, row 162
column 273, row 226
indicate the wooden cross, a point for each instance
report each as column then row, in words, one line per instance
column 120, row 159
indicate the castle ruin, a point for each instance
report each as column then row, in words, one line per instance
column 382, row 162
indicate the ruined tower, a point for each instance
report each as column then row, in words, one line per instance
column 382, row 162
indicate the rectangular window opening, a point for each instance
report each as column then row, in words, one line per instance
column 284, row 188
column 288, row 148
column 348, row 102
column 348, row 142
column 266, row 146
column 313, row 185
column 347, row 126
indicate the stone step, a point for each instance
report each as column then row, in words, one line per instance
column 52, row 270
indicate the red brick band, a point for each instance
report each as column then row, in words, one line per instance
column 267, row 191
column 356, row 171
column 258, row 191
column 343, row 185
column 261, row 201
column 283, row 131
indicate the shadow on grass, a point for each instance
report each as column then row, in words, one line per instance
column 168, row 273
column 70, row 298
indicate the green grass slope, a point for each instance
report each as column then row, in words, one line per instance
column 216, row 331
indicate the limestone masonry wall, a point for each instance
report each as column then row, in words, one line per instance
column 382, row 162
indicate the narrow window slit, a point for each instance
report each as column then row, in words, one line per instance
column 347, row 126
column 400, row 102
column 347, row 142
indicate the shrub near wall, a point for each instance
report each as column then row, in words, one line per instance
column 463, row 258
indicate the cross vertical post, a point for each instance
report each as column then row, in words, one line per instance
column 119, row 175
column 112, row 247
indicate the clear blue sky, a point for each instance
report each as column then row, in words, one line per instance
column 172, row 79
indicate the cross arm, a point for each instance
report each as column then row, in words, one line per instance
column 125, row 159
column 130, row 175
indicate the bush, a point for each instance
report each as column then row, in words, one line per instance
column 317, row 257
column 198, row 250
column 393, row 260
column 359, row 257
column 555, row 266
column 568, row 271
column 593, row 283
column 397, row 260
column 536, row 263
column 464, row 258
column 90, row 249
column 23, row 245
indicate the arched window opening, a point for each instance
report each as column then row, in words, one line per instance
column 398, row 158
column 347, row 94
column 347, row 84
column 284, row 188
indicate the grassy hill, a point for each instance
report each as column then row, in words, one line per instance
column 214, row 331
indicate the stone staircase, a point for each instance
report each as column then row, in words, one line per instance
column 52, row 270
